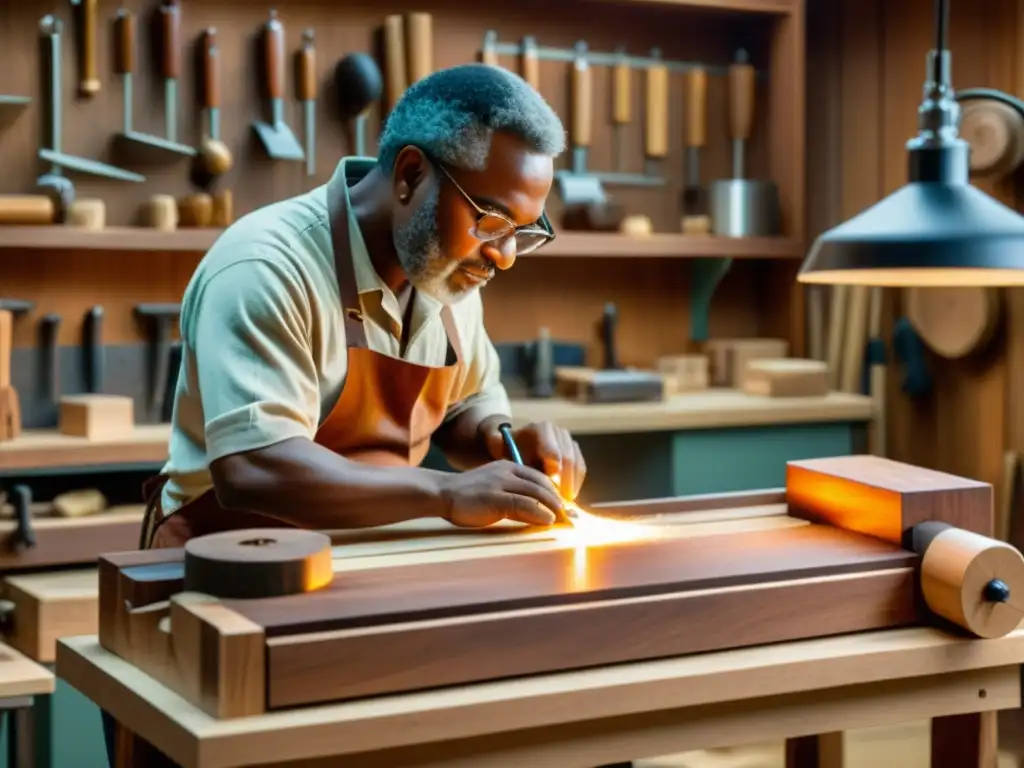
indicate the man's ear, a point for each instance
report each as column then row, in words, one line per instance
column 412, row 170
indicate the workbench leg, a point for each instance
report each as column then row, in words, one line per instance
column 966, row 741
column 822, row 751
column 21, row 738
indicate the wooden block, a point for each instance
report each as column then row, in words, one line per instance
column 10, row 414
column 786, row 378
column 49, row 606
column 590, row 385
column 684, row 373
column 88, row 213
column 729, row 357
column 885, row 498
column 97, row 417
column 6, row 346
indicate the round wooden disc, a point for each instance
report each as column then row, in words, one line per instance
column 995, row 132
column 953, row 321
column 955, row 571
column 258, row 562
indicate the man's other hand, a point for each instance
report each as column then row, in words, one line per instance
column 497, row 491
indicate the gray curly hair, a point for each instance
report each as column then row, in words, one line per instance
column 453, row 114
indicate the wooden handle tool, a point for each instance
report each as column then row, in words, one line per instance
column 696, row 107
column 124, row 42
column 214, row 154
column 656, row 126
column 394, row 60
column 582, row 111
column 89, row 82
column 27, row 209
column 529, row 64
column 695, row 218
column 420, row 42
column 489, row 51
column 170, row 61
column 741, row 109
column 306, row 88
column 622, row 99
column 273, row 53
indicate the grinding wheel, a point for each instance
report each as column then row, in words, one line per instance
column 953, row 322
column 972, row 581
column 258, row 562
column 995, row 132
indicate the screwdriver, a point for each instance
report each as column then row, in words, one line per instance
column 514, row 454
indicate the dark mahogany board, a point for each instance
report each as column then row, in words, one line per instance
column 420, row 592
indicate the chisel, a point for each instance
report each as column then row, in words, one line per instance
column 170, row 60
column 307, row 95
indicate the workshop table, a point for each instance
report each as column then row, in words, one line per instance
column 21, row 681
column 582, row 719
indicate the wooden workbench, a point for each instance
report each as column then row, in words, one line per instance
column 583, row 718
column 21, row 681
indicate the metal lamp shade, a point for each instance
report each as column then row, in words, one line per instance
column 924, row 234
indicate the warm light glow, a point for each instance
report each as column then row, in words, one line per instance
column 923, row 277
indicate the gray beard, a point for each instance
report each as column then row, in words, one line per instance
column 418, row 246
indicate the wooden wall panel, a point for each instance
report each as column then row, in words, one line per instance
column 564, row 294
column 976, row 407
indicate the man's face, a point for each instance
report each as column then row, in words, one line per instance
column 434, row 223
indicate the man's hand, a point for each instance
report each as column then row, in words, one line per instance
column 497, row 491
column 544, row 446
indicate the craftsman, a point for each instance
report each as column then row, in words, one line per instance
column 329, row 338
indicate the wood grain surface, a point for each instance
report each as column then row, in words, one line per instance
column 417, row 593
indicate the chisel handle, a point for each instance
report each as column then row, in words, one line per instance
column 488, row 53
column 529, row 65
column 211, row 70
column 306, row 85
column 621, row 96
column 696, row 107
column 582, row 112
column 124, row 42
column 90, row 82
column 656, row 127
column 170, row 39
column 394, row 59
column 741, row 97
column 420, row 54
column 273, row 56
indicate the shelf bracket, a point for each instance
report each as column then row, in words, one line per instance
column 705, row 275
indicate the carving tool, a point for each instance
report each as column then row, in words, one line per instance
column 529, row 64
column 395, row 70
column 94, row 352
column 621, row 107
column 357, row 85
column 277, row 138
column 161, row 316
column 306, row 88
column 656, row 117
column 214, row 153
column 125, row 55
column 51, row 29
column 695, row 211
column 516, row 457
column 420, row 46
column 170, row 63
column 89, row 81
column 742, row 207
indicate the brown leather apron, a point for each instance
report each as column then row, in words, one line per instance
column 386, row 414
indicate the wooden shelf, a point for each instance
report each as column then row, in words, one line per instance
column 566, row 245
column 740, row 6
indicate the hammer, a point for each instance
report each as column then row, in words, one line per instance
column 161, row 316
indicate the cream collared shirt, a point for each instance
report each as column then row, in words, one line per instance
column 263, row 339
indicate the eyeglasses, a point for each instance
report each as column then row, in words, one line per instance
column 492, row 227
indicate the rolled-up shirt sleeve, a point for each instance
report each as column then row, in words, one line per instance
column 481, row 387
column 256, row 374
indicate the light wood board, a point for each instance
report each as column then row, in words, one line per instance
column 20, row 676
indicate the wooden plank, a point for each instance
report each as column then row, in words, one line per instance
column 885, row 498
column 333, row 666
column 418, row 593
column 70, row 541
column 48, row 606
column 866, row 671
column 20, row 676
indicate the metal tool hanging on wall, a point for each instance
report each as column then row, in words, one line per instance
column 276, row 136
column 125, row 56
column 88, row 77
column 214, row 156
column 306, row 88
column 50, row 28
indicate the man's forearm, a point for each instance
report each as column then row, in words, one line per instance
column 461, row 438
column 305, row 484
